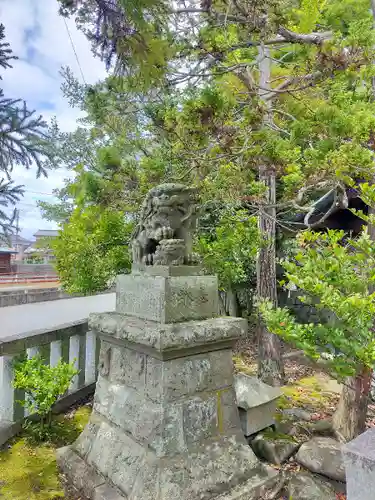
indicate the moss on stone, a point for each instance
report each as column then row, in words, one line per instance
column 308, row 393
column 272, row 435
column 28, row 470
column 241, row 366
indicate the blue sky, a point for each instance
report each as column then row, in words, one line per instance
column 39, row 38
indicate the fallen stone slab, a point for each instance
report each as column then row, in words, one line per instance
column 273, row 447
column 323, row 456
column 304, row 486
column 257, row 403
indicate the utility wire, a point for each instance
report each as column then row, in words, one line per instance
column 74, row 50
column 38, row 192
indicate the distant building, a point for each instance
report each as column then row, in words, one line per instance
column 38, row 253
column 5, row 255
column 46, row 233
column 19, row 245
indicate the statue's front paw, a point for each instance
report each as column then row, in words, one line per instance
column 158, row 234
column 192, row 258
column 167, row 233
column 148, row 259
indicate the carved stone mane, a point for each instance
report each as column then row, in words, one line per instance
column 163, row 234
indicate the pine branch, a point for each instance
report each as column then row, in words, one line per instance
column 5, row 50
column 23, row 140
column 10, row 194
column 310, row 38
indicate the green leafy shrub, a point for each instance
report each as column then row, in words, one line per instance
column 43, row 385
column 91, row 249
column 230, row 249
column 336, row 277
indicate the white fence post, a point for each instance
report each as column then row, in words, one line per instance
column 31, row 352
column 6, row 389
column 90, row 368
column 55, row 354
column 74, row 355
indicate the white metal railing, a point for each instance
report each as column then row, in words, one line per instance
column 69, row 342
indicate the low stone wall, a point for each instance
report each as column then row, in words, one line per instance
column 36, row 269
column 30, row 296
column 19, row 297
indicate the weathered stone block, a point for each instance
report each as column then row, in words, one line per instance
column 159, row 270
column 230, row 417
column 103, row 397
column 128, row 409
column 209, row 471
column 104, row 358
column 147, row 483
column 187, row 376
column 200, row 419
column 167, row 299
column 116, row 456
column 256, row 488
column 257, row 403
column 359, row 460
column 85, row 440
column 128, row 367
column 106, row 492
column 224, row 468
column 169, row 434
column 84, row 477
column 168, row 341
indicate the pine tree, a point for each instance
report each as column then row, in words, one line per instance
column 22, row 141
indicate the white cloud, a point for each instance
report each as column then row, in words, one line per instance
column 38, row 36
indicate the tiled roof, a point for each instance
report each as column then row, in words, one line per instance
column 18, row 240
column 7, row 250
column 46, row 232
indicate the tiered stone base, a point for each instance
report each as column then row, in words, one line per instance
column 165, row 425
column 224, row 469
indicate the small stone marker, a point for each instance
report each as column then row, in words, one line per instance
column 165, row 425
column 257, row 403
column 359, row 460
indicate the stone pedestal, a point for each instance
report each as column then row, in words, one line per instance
column 165, row 425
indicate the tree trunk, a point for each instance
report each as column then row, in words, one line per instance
column 231, row 305
column 270, row 365
column 228, row 303
column 349, row 419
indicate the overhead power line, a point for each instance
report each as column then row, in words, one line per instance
column 74, row 50
column 38, row 192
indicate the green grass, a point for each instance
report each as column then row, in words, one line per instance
column 28, row 470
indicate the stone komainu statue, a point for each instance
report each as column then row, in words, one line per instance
column 163, row 235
